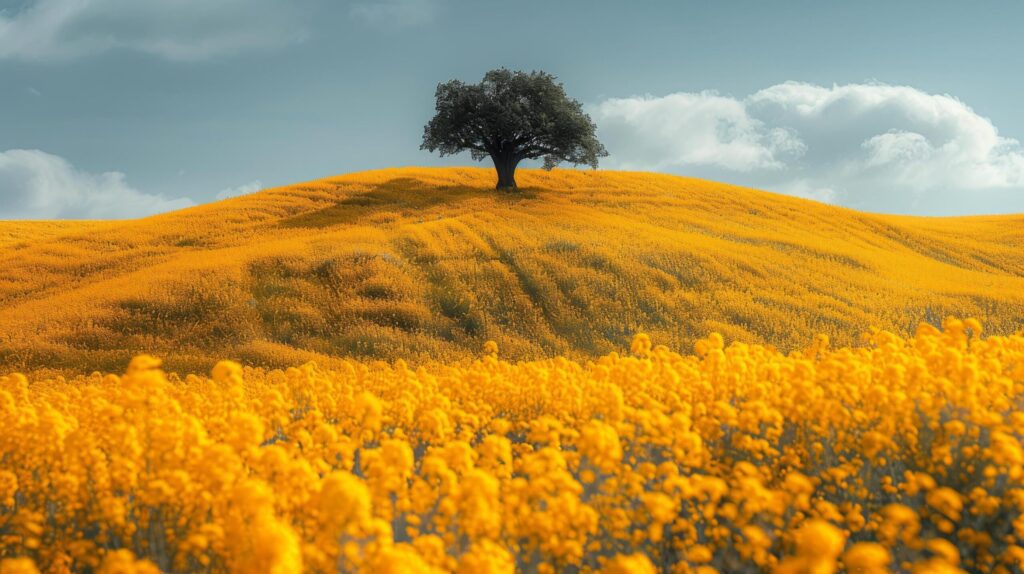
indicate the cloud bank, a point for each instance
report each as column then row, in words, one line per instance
column 171, row 29
column 38, row 185
column 245, row 189
column 872, row 146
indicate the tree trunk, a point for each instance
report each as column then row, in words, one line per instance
column 506, row 164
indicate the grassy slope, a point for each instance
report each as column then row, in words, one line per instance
column 419, row 263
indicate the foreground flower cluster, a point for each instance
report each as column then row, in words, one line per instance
column 898, row 455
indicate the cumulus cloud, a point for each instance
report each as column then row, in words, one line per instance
column 38, row 185
column 394, row 13
column 244, row 189
column 692, row 129
column 171, row 29
column 872, row 146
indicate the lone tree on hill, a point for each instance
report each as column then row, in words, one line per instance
column 512, row 116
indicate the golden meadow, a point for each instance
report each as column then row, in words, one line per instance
column 878, row 445
column 427, row 264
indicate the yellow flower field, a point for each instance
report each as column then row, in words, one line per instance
column 893, row 454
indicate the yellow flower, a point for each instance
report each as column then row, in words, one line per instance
column 8, row 487
column 124, row 562
column 399, row 559
column 818, row 544
column 479, row 506
column 227, row 372
column 867, row 558
column 18, row 566
column 629, row 564
column 599, row 443
column 820, row 539
column 943, row 549
column 344, row 502
column 946, row 501
column 641, row 345
column 486, row 557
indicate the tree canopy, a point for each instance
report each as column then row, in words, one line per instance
column 511, row 116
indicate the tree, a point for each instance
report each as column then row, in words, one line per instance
column 511, row 116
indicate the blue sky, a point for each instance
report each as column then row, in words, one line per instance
column 121, row 108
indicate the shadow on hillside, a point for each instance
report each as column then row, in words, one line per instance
column 404, row 195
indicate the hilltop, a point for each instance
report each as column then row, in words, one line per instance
column 424, row 263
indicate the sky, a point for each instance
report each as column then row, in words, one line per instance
column 124, row 108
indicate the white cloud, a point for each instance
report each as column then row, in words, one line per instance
column 171, row 29
column 38, row 185
column 894, row 148
column 691, row 129
column 245, row 189
column 394, row 13
column 874, row 146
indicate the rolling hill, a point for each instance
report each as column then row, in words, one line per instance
column 424, row 264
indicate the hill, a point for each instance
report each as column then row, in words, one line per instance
column 430, row 263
